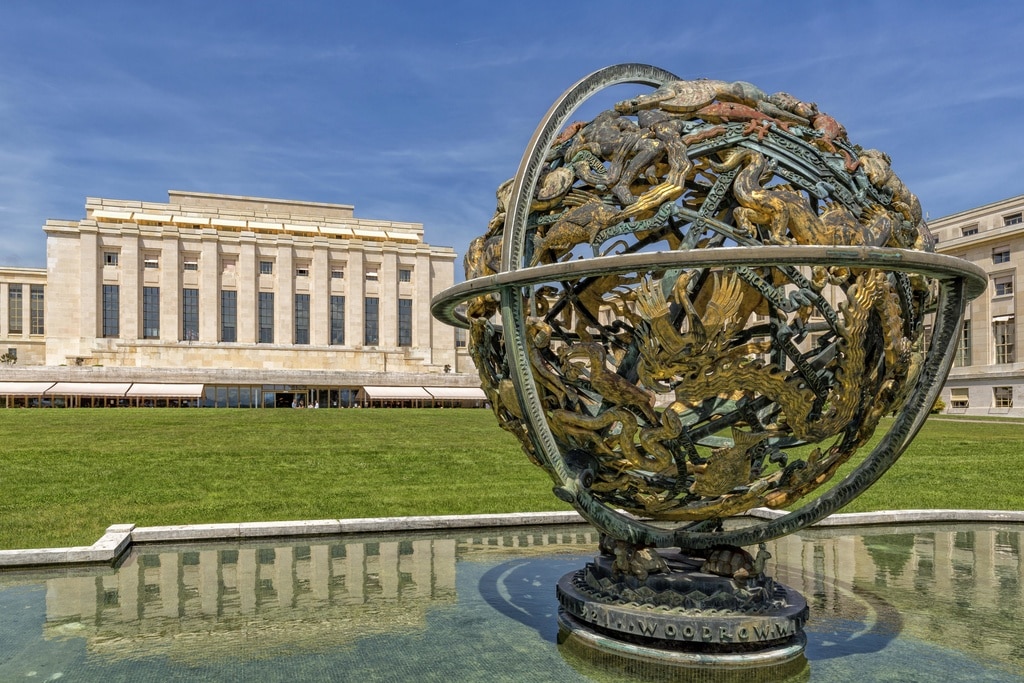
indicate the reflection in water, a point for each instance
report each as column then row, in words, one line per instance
column 952, row 596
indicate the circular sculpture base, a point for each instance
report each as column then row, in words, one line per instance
column 683, row 617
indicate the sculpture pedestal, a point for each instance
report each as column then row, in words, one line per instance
column 682, row 618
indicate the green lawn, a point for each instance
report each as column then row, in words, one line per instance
column 65, row 475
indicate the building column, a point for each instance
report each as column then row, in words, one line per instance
column 248, row 286
column 170, row 289
column 209, row 288
column 355, row 279
column 130, row 279
column 284, row 297
column 320, row 295
column 90, row 288
column 387, row 278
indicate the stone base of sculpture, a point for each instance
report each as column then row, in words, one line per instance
column 683, row 614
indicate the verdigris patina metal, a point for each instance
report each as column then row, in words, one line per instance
column 709, row 297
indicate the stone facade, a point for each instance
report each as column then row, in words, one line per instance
column 988, row 375
column 209, row 281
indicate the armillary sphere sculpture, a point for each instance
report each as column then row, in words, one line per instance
column 709, row 297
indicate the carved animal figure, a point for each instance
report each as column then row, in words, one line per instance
column 616, row 390
column 578, row 225
column 737, row 563
column 728, row 467
column 688, row 96
column 831, row 130
column 639, row 562
column 727, row 112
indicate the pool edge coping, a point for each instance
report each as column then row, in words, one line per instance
column 119, row 538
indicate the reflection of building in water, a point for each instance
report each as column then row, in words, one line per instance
column 935, row 578
column 255, row 599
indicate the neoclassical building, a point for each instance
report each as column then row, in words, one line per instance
column 988, row 374
column 274, row 301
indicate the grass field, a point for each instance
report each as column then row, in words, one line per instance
column 65, row 475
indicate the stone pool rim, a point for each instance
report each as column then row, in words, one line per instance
column 119, row 538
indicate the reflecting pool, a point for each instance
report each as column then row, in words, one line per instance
column 887, row 603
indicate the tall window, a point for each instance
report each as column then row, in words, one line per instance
column 228, row 315
column 190, row 314
column 1002, row 332
column 1001, row 255
column 111, row 310
column 302, row 318
column 405, row 322
column 150, row 312
column 371, row 318
column 1002, row 285
column 337, row 320
column 110, row 258
column 37, row 308
column 266, row 316
column 266, row 267
column 14, row 309
column 963, row 354
column 404, row 275
column 1002, row 397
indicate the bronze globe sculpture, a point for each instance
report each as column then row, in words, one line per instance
column 701, row 302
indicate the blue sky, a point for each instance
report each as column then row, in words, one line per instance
column 416, row 111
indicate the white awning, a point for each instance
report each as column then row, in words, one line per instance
column 24, row 388
column 335, row 230
column 106, row 214
column 457, row 393
column 1002, row 318
column 295, row 227
column 161, row 390
column 397, row 392
column 89, row 389
column 370, row 234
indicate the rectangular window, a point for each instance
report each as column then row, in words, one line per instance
column 404, row 275
column 190, row 314
column 337, row 274
column 111, row 310
column 266, row 267
column 228, row 315
column 1002, row 333
column 14, row 309
column 371, row 274
column 190, row 263
column 229, row 265
column 968, row 231
column 266, row 316
column 1002, row 397
column 1001, row 255
column 302, row 318
column 963, row 354
column 150, row 312
column 460, row 338
column 405, row 322
column 370, row 320
column 151, row 262
column 302, row 271
column 1002, row 285
column 337, row 320
column 37, row 309
column 1013, row 219
column 110, row 258
column 959, row 398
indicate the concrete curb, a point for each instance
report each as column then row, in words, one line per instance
column 120, row 537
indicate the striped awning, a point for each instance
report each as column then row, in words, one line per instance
column 89, row 389
column 457, row 393
column 24, row 388
column 166, row 390
column 400, row 393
